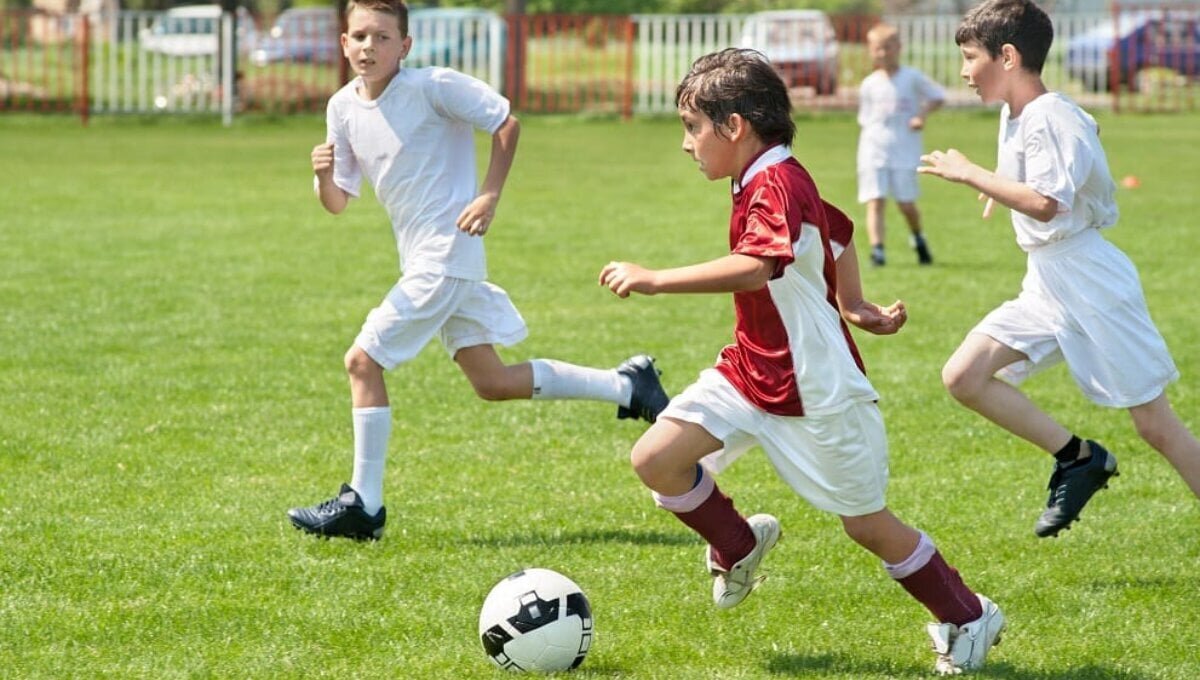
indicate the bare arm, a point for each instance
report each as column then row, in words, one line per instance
column 728, row 274
column 855, row 310
column 479, row 213
column 332, row 197
column 954, row 166
column 929, row 106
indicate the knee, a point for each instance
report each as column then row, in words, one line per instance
column 360, row 365
column 960, row 382
column 647, row 464
column 490, row 388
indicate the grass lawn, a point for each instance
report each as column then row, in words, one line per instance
column 174, row 306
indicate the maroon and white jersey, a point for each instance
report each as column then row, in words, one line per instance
column 792, row 354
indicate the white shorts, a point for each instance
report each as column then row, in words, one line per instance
column 1081, row 302
column 837, row 462
column 900, row 184
column 461, row 313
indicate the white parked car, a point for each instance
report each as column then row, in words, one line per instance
column 800, row 43
column 193, row 30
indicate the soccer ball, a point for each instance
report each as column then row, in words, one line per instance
column 536, row 620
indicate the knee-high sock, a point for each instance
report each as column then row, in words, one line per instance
column 711, row 514
column 559, row 380
column 935, row 584
column 372, row 427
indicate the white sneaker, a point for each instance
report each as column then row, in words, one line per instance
column 965, row 647
column 732, row 586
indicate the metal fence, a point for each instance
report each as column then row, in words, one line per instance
column 168, row 63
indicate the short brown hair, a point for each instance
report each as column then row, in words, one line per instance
column 740, row 81
column 1020, row 23
column 396, row 8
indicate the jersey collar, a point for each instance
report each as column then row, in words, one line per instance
column 769, row 157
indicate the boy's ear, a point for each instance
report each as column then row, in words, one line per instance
column 737, row 127
column 1010, row 57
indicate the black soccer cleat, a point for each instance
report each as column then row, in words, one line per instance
column 1072, row 486
column 878, row 259
column 649, row 399
column 924, row 257
column 343, row 515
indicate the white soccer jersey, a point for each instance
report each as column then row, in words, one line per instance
column 886, row 104
column 416, row 146
column 1053, row 147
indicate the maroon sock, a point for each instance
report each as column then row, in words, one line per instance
column 723, row 527
column 939, row 587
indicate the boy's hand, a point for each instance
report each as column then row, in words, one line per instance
column 322, row 159
column 916, row 123
column 875, row 319
column 624, row 278
column 477, row 216
column 949, row 164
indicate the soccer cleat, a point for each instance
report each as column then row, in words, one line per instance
column 877, row 257
column 965, row 647
column 648, row 398
column 343, row 515
column 732, row 586
column 1072, row 486
column 923, row 255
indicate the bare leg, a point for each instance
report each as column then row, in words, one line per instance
column 491, row 378
column 883, row 534
column 367, row 387
column 911, row 215
column 1160, row 427
column 666, row 455
column 875, row 226
column 969, row 375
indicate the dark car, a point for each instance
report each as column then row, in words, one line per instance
column 1140, row 40
column 302, row 34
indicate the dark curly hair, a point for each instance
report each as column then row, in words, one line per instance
column 1020, row 23
column 739, row 81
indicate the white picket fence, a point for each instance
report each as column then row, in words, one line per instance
column 133, row 79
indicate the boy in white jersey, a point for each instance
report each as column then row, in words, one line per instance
column 793, row 382
column 893, row 102
column 411, row 133
column 1081, row 301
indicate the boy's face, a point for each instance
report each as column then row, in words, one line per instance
column 373, row 44
column 714, row 153
column 885, row 53
column 982, row 72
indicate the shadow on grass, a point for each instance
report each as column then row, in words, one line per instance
column 588, row 536
column 821, row 665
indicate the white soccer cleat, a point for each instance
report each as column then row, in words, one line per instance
column 965, row 647
column 732, row 586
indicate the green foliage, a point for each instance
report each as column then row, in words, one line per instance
column 174, row 307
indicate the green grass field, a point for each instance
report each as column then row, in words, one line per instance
column 174, row 306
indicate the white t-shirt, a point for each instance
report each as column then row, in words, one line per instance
column 885, row 106
column 1053, row 147
column 416, row 146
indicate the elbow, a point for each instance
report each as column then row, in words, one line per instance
column 1046, row 211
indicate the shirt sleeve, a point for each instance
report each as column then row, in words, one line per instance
column 930, row 91
column 347, row 174
column 1057, row 161
column 460, row 97
column 841, row 228
column 767, row 231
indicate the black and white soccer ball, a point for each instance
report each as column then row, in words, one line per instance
column 536, row 620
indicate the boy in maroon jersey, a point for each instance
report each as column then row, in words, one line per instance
column 792, row 382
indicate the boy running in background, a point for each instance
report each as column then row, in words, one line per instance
column 893, row 102
column 792, row 382
column 410, row 132
column 1081, row 301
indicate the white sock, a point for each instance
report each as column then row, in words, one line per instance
column 559, row 380
column 372, row 427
